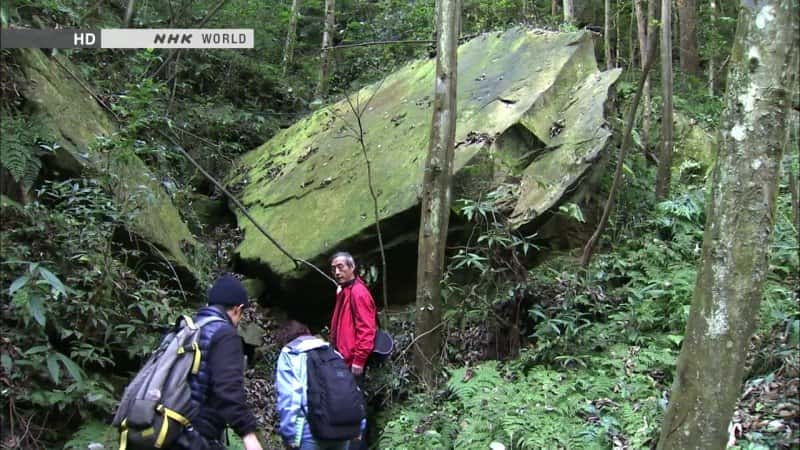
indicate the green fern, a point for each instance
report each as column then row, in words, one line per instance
column 19, row 138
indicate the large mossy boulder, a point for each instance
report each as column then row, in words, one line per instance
column 693, row 142
column 530, row 111
column 71, row 115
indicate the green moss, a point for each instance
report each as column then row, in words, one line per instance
column 575, row 148
column 308, row 185
column 692, row 142
column 73, row 116
column 64, row 105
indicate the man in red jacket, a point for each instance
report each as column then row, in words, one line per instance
column 353, row 324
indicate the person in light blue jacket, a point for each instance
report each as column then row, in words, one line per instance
column 290, row 385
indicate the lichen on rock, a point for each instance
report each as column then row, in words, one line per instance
column 308, row 185
column 76, row 121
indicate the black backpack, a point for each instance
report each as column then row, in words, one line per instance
column 384, row 342
column 335, row 402
column 157, row 404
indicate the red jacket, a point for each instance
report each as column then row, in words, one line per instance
column 353, row 324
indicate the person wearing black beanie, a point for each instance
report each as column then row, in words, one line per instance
column 228, row 291
column 219, row 384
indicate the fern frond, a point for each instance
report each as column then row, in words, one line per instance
column 20, row 154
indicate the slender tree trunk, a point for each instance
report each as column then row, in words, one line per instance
column 665, row 156
column 569, row 11
column 741, row 213
column 712, row 57
column 174, row 52
column 642, row 22
column 360, row 135
column 633, row 43
column 555, row 8
column 618, row 35
column 687, row 21
column 794, row 184
column 794, row 188
column 607, row 35
column 436, row 190
column 129, row 13
column 291, row 37
column 641, row 29
column 649, row 57
column 326, row 62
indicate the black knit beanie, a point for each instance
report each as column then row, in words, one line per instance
column 228, row 291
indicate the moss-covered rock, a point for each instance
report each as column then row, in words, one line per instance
column 693, row 142
column 530, row 106
column 75, row 120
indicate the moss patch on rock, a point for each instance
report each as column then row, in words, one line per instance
column 693, row 142
column 308, row 185
column 75, row 119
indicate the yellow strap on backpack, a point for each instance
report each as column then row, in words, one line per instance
column 123, row 437
column 196, row 363
column 168, row 414
column 189, row 322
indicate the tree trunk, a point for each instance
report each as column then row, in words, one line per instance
column 665, row 156
column 607, row 35
column 794, row 188
column 618, row 36
column 569, row 11
column 713, row 13
column 687, row 21
column 129, row 13
column 794, row 184
column 649, row 57
column 642, row 22
column 436, row 189
column 174, row 52
column 291, row 37
column 741, row 212
column 554, row 9
column 325, row 63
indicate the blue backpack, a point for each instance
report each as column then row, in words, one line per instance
column 335, row 402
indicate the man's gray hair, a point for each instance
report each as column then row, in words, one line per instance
column 348, row 258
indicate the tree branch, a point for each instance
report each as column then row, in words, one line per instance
column 172, row 54
column 243, row 209
column 588, row 249
column 367, row 44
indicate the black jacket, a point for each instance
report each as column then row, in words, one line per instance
column 223, row 380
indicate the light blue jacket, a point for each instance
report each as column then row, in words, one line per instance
column 290, row 384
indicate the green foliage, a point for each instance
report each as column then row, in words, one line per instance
column 486, row 278
column 74, row 303
column 41, row 285
column 22, row 142
column 601, row 345
column 93, row 432
column 617, row 399
column 139, row 105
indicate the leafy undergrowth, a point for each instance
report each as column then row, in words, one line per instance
column 98, row 433
column 768, row 413
column 597, row 350
column 616, row 401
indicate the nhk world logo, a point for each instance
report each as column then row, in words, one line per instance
column 129, row 38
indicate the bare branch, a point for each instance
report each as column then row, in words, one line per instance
column 588, row 249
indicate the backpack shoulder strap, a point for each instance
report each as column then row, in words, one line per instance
column 207, row 320
column 315, row 354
